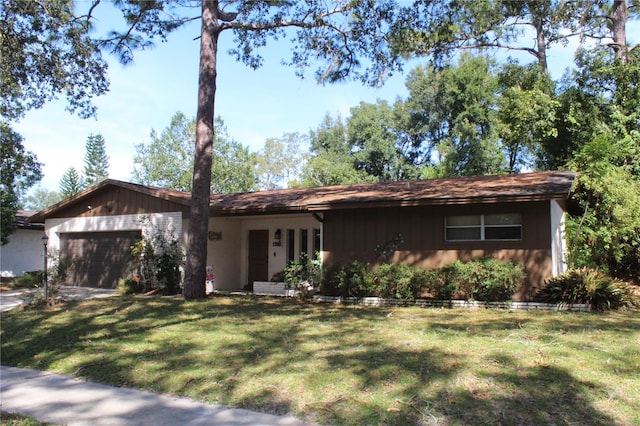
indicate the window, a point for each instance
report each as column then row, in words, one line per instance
column 484, row 227
column 316, row 241
column 291, row 245
column 304, row 241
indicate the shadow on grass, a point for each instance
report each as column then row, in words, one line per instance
column 332, row 364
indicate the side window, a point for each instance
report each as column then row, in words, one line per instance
column 291, row 245
column 304, row 241
column 490, row 227
column 316, row 241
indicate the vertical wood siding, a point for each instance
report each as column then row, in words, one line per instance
column 354, row 234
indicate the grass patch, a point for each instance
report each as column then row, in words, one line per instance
column 346, row 365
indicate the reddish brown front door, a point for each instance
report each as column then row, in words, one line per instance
column 258, row 257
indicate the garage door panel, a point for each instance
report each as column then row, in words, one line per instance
column 99, row 259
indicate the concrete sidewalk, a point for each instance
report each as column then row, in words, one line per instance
column 66, row 401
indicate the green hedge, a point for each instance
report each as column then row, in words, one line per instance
column 483, row 279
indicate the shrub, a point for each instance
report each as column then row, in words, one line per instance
column 588, row 286
column 304, row 275
column 349, row 280
column 393, row 280
column 29, row 280
column 487, row 280
column 127, row 286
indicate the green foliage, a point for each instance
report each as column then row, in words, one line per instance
column 166, row 160
column 588, row 286
column 29, row 280
column 156, row 260
column 485, row 279
column 607, row 233
column 70, row 183
column 19, row 170
column 39, row 199
column 280, row 161
column 348, row 280
column 127, row 286
column 304, row 275
column 394, row 280
column 453, row 110
column 45, row 51
column 96, row 160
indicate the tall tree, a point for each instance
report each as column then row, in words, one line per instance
column 70, row 183
column 526, row 112
column 281, row 160
column 96, row 160
column 19, row 171
column 453, row 110
column 373, row 136
column 347, row 39
column 441, row 29
column 166, row 160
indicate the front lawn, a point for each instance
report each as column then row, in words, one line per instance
column 346, row 365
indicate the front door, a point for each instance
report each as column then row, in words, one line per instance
column 258, row 256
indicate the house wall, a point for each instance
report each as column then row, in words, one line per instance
column 229, row 255
column 147, row 223
column 355, row 234
column 558, row 242
column 23, row 253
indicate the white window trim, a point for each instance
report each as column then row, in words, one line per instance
column 482, row 229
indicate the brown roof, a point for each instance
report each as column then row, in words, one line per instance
column 462, row 190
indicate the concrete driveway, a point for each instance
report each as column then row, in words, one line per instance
column 13, row 298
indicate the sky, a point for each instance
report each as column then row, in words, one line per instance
column 254, row 104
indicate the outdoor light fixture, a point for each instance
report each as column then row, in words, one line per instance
column 277, row 237
column 45, row 240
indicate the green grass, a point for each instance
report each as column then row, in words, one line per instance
column 347, row 365
column 9, row 419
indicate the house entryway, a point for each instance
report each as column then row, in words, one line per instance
column 258, row 257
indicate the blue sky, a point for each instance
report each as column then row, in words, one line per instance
column 255, row 105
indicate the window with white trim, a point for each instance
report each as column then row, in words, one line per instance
column 484, row 227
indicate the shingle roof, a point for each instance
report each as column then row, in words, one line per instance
column 462, row 190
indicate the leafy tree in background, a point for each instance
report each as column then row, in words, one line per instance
column 233, row 168
column 281, row 160
column 372, row 134
column 526, row 113
column 39, row 199
column 167, row 160
column 96, row 160
column 330, row 161
column 453, row 110
column 19, row 171
column 71, row 183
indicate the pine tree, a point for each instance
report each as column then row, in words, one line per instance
column 71, row 183
column 96, row 161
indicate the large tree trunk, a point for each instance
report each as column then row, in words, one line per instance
column 194, row 284
column 619, row 18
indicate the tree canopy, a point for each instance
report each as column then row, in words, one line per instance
column 166, row 160
column 19, row 171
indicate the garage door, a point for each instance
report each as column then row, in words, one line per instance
column 100, row 259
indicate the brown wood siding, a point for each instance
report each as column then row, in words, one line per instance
column 354, row 234
column 119, row 201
